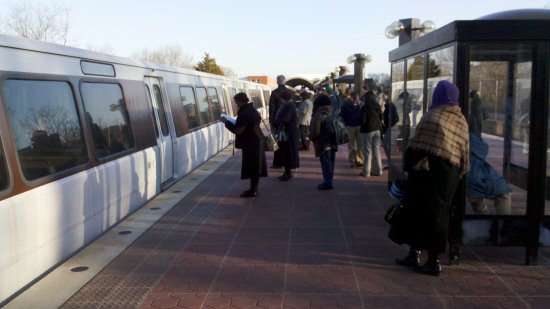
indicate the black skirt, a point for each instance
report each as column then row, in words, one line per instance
column 425, row 222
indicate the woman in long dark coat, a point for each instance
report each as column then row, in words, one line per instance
column 436, row 159
column 287, row 119
column 250, row 139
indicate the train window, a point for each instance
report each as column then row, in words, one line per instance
column 161, row 111
column 204, row 111
column 187, row 95
column 99, row 69
column 4, row 179
column 45, row 126
column 107, row 118
column 215, row 106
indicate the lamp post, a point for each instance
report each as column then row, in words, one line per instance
column 359, row 61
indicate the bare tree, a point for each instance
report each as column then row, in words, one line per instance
column 105, row 48
column 228, row 72
column 172, row 55
column 50, row 23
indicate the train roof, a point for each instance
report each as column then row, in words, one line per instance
column 9, row 41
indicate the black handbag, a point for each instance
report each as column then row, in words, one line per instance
column 280, row 135
column 394, row 215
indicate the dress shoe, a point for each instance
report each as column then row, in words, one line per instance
column 285, row 177
column 430, row 268
column 411, row 260
column 275, row 167
column 359, row 164
column 324, row 186
column 249, row 193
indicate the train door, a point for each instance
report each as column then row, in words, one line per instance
column 164, row 139
column 228, row 102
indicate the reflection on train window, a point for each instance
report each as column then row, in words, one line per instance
column 107, row 118
column 161, row 111
column 45, row 126
column 4, row 179
column 255, row 98
column 204, row 111
column 215, row 106
column 187, row 95
column 149, row 101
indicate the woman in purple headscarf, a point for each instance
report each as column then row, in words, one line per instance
column 436, row 159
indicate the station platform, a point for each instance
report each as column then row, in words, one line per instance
column 291, row 247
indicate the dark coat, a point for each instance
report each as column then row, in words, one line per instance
column 250, row 139
column 475, row 119
column 287, row 119
column 275, row 102
column 427, row 203
column 351, row 114
column 371, row 116
column 483, row 180
column 391, row 117
column 317, row 134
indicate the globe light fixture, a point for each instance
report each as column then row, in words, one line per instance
column 394, row 29
column 398, row 27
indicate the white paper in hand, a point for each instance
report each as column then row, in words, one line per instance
column 229, row 118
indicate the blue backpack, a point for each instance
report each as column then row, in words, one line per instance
column 336, row 130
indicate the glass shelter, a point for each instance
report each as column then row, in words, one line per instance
column 501, row 65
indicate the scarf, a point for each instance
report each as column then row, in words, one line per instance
column 443, row 132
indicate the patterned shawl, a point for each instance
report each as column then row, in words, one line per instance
column 443, row 132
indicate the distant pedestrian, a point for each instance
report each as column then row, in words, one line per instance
column 287, row 119
column 250, row 139
column 351, row 114
column 305, row 111
column 476, row 114
column 436, row 159
column 391, row 118
column 334, row 100
column 274, row 105
column 324, row 148
column 371, row 137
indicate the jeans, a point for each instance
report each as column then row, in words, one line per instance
column 371, row 148
column 327, row 159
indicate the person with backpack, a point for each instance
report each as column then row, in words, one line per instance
column 371, row 128
column 391, row 118
column 325, row 149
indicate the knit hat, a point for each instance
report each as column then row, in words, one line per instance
column 241, row 97
column 329, row 90
column 322, row 100
column 445, row 93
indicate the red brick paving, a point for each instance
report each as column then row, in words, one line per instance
column 296, row 247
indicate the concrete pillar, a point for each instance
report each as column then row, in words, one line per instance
column 358, row 68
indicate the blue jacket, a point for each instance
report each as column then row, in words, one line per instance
column 351, row 114
column 483, row 180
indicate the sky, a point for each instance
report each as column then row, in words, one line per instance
column 264, row 37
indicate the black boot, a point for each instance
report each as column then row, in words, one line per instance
column 411, row 260
column 432, row 266
column 286, row 175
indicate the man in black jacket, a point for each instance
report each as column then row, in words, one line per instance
column 274, row 105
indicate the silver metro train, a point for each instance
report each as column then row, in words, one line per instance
column 88, row 138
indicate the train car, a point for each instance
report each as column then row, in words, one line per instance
column 87, row 138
